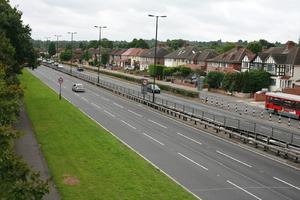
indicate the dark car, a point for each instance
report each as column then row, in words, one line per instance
column 153, row 88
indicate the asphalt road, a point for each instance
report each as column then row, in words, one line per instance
column 265, row 127
column 209, row 167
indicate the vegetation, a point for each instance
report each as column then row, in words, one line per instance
column 17, row 180
column 156, row 70
column 214, row 79
column 254, row 46
column 79, row 149
column 52, row 49
column 66, row 55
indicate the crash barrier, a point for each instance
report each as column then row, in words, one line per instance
column 282, row 141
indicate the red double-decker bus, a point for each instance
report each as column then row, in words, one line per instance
column 283, row 104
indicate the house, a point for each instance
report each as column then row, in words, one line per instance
column 204, row 56
column 147, row 57
column 131, row 58
column 230, row 60
column 182, row 56
column 115, row 57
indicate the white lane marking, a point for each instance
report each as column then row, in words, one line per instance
column 256, row 197
column 94, row 93
column 64, row 87
column 120, row 106
column 109, row 113
column 84, row 99
column 157, row 123
column 278, row 179
column 154, row 139
column 76, row 94
column 189, row 138
column 128, row 124
column 105, row 99
column 192, row 161
column 96, row 105
column 233, row 159
column 135, row 113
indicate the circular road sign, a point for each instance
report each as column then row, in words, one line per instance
column 145, row 82
column 60, row 80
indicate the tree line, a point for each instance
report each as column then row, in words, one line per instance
column 17, row 180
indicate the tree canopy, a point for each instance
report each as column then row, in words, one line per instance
column 52, row 49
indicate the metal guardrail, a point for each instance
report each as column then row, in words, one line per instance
column 266, row 136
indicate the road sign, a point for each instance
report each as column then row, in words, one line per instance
column 60, row 80
column 145, row 82
column 144, row 87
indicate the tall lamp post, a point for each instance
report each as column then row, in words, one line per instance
column 57, row 37
column 100, row 28
column 72, row 34
column 47, row 43
column 155, row 47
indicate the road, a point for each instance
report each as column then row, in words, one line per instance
column 207, row 166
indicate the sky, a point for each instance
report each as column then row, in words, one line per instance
column 195, row 20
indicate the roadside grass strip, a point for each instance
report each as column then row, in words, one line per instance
column 86, row 161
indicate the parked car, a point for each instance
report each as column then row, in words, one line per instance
column 80, row 68
column 59, row 66
column 55, row 64
column 153, row 88
column 78, row 87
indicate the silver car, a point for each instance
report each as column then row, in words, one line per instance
column 78, row 87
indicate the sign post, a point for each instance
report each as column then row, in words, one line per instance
column 60, row 81
column 144, row 87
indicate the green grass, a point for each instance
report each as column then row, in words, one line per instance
column 76, row 146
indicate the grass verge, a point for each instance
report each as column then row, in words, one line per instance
column 85, row 161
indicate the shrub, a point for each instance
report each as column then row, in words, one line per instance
column 214, row 79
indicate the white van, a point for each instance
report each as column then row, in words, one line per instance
column 78, row 87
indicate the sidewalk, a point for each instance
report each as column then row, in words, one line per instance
column 28, row 148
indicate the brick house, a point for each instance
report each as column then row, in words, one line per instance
column 147, row 57
column 182, row 56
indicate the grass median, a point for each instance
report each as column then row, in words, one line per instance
column 85, row 161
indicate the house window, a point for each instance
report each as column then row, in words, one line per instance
column 273, row 82
column 270, row 68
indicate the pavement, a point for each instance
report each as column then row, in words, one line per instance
column 207, row 166
column 28, row 148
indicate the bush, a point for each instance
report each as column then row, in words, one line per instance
column 214, row 79
column 156, row 70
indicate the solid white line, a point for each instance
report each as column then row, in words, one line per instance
column 243, row 190
column 109, row 113
column 135, row 113
column 192, row 161
column 154, row 139
column 96, row 105
column 189, row 138
column 120, row 106
column 76, row 94
column 233, row 159
column 278, row 179
column 84, row 99
column 157, row 123
column 128, row 124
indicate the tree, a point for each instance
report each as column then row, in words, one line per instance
column 185, row 71
column 176, row 44
column 227, row 46
column 254, row 46
column 52, row 49
column 214, row 79
column 86, row 56
column 66, row 55
column 135, row 43
column 104, row 58
column 156, row 70
column 265, row 43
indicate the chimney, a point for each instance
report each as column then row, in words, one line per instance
column 290, row 44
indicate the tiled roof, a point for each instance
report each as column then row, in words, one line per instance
column 284, row 55
column 207, row 54
column 189, row 53
column 133, row 52
column 160, row 52
column 117, row 52
column 234, row 55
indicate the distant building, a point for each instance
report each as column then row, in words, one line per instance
column 182, row 56
column 147, row 57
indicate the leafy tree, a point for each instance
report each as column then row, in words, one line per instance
column 200, row 72
column 265, row 43
column 176, row 44
column 254, row 46
column 168, row 71
column 105, row 43
column 104, row 58
column 135, row 43
column 86, row 56
column 227, row 46
column 66, row 55
column 52, row 49
column 214, row 79
column 156, row 70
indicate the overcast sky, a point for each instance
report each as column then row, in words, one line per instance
column 201, row 20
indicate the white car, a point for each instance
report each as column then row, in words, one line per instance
column 59, row 66
column 78, row 87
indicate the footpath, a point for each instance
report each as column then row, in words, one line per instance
column 28, row 148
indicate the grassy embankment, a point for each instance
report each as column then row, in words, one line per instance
column 86, row 161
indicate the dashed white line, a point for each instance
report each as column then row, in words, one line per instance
column 96, row 105
column 76, row 94
column 157, row 123
column 256, row 197
column 94, row 93
column 278, row 179
column 128, row 124
column 154, row 139
column 120, row 106
column 192, row 161
column 105, row 99
column 84, row 99
column 189, row 138
column 109, row 113
column 233, row 158
column 139, row 115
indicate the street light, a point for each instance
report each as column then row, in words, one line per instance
column 57, row 37
column 72, row 33
column 100, row 28
column 47, row 43
column 155, row 47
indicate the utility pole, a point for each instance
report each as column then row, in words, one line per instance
column 100, row 28
column 71, row 33
column 57, row 37
column 155, row 47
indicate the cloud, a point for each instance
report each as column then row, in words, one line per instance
column 229, row 20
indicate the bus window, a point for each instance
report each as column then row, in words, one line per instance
column 289, row 104
column 297, row 105
column 277, row 102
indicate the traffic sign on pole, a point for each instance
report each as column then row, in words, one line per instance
column 60, row 81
